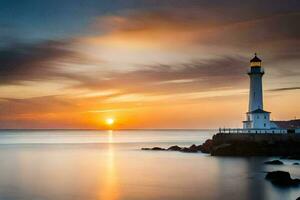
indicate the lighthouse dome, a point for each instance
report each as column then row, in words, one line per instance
column 255, row 61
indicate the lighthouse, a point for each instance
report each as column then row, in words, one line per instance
column 256, row 117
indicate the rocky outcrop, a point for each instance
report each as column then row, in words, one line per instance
column 255, row 145
column 174, row 148
column 207, row 146
column 281, row 178
column 254, row 149
column 274, row 162
column 192, row 149
column 284, row 145
column 188, row 150
column 154, row 149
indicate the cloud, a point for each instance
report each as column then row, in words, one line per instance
column 19, row 105
column 39, row 112
column 37, row 61
column 203, row 31
column 201, row 75
column 284, row 89
column 172, row 35
column 208, row 25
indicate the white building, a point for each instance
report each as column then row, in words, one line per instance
column 256, row 117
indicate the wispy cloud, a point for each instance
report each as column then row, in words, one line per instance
column 201, row 75
column 284, row 89
column 37, row 61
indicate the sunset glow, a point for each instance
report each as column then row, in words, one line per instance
column 175, row 65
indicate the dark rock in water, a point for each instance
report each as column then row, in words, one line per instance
column 298, row 198
column 242, row 144
column 281, row 178
column 154, row 149
column 224, row 150
column 295, row 163
column 207, row 146
column 286, row 145
column 158, row 149
column 251, row 148
column 194, row 148
column 188, row 150
column 174, row 148
column 274, row 162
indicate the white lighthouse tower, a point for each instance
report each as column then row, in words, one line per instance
column 256, row 117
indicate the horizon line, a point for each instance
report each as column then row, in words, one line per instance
column 95, row 129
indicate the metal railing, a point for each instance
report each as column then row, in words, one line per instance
column 255, row 131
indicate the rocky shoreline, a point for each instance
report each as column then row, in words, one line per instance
column 192, row 149
column 285, row 146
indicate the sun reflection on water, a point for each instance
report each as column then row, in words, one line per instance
column 110, row 190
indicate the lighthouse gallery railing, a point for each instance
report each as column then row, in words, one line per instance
column 255, row 131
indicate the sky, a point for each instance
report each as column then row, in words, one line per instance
column 145, row 63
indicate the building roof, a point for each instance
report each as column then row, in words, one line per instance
column 258, row 111
column 255, row 59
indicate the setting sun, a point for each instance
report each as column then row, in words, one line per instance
column 109, row 121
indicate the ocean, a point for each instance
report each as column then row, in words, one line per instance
column 109, row 165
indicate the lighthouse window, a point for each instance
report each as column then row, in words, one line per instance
column 264, row 124
column 265, row 117
column 257, row 117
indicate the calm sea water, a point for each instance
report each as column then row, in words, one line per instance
column 108, row 165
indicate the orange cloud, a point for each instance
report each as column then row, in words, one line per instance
column 190, row 67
